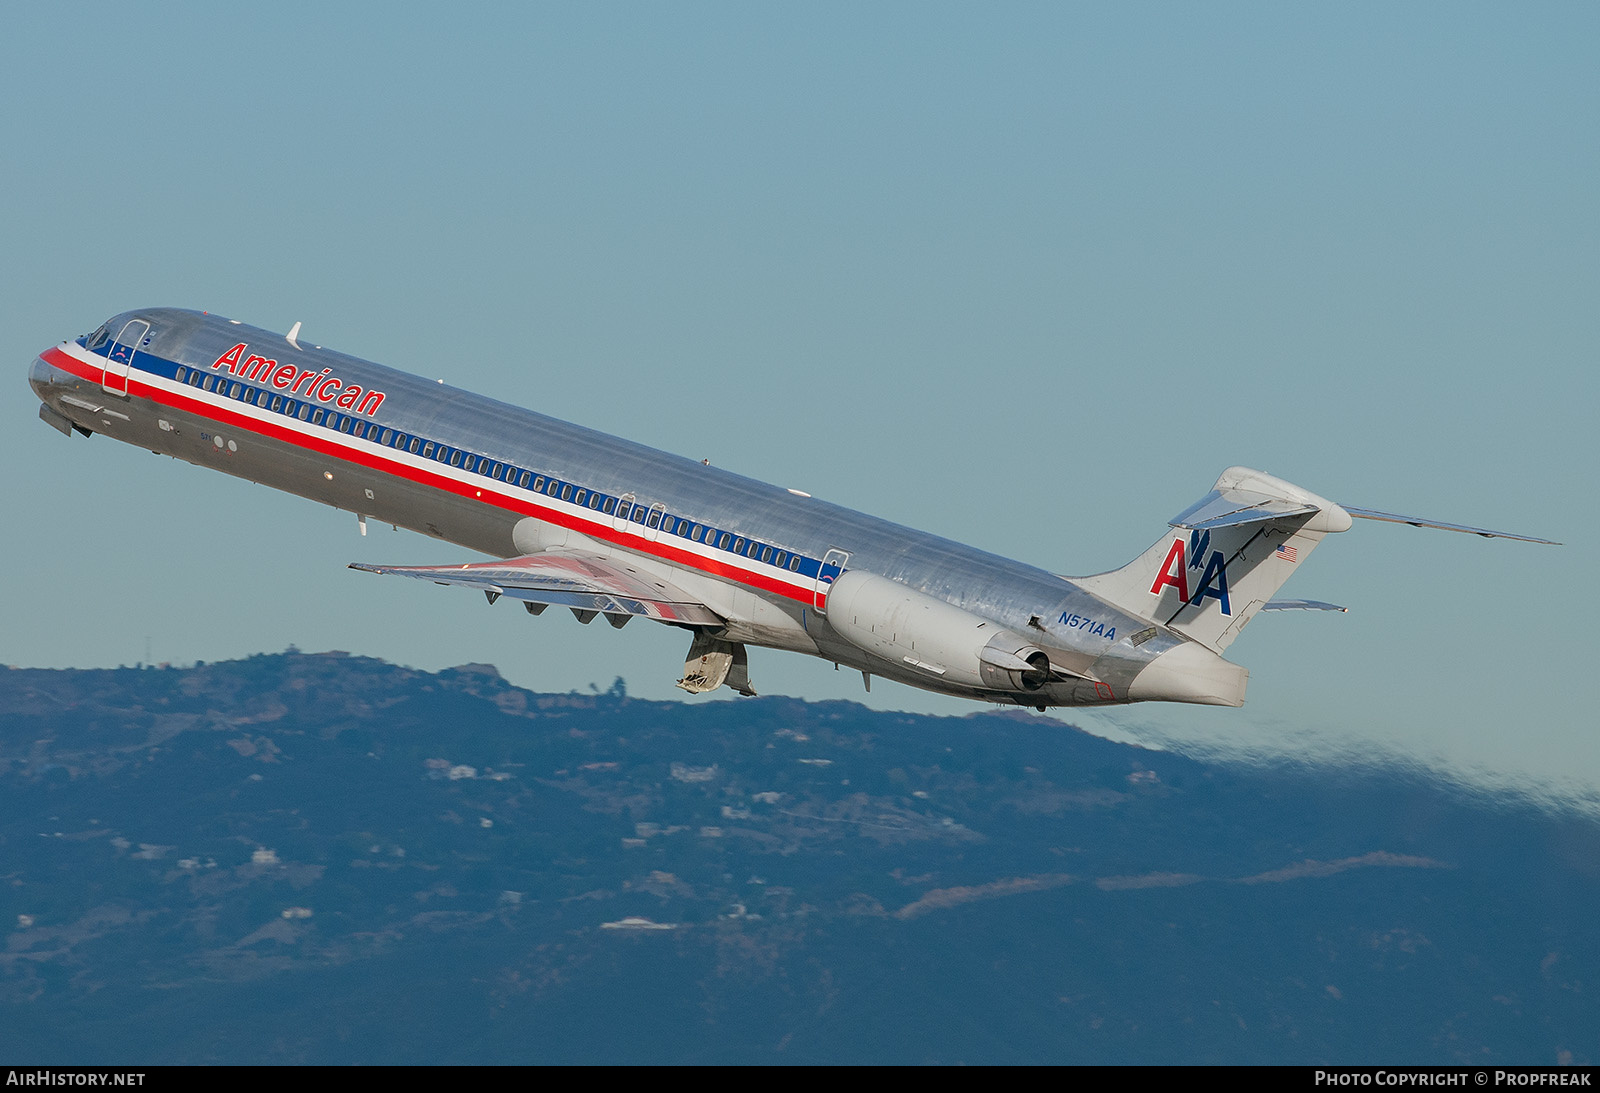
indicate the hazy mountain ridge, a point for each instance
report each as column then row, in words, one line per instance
column 347, row 860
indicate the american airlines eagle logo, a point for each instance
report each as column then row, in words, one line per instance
column 323, row 386
column 1185, row 556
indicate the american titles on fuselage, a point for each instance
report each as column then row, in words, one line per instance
column 323, row 385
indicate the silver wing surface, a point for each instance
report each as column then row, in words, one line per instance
column 587, row 585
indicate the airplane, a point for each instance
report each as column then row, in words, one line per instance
column 571, row 517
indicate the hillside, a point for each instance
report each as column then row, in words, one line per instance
column 326, row 858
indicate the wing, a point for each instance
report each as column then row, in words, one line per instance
column 586, row 584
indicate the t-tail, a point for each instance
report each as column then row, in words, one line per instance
column 1227, row 554
column 1222, row 562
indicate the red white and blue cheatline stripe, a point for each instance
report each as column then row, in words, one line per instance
column 223, row 411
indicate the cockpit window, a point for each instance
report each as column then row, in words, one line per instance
column 99, row 337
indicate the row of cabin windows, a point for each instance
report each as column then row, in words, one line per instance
column 278, row 404
column 653, row 518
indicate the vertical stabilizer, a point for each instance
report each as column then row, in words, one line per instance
column 1225, row 557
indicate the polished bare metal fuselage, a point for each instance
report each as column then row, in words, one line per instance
column 1086, row 637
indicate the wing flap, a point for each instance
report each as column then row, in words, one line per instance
column 570, row 580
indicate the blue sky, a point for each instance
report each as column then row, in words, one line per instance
column 1026, row 276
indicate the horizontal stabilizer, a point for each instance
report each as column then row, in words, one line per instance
column 1228, row 508
column 1423, row 522
column 567, row 580
column 1301, row 605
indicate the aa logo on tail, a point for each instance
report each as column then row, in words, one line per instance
column 1175, row 571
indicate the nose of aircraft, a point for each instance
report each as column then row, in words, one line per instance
column 36, row 376
column 39, row 377
column 47, row 382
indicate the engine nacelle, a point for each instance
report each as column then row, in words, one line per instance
column 932, row 637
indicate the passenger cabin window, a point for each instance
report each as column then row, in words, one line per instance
column 416, row 443
column 578, row 500
column 566, row 493
column 305, row 411
column 523, row 481
column 182, row 374
column 611, row 506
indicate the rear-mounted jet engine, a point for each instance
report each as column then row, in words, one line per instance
column 906, row 627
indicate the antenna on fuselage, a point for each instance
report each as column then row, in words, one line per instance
column 294, row 332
